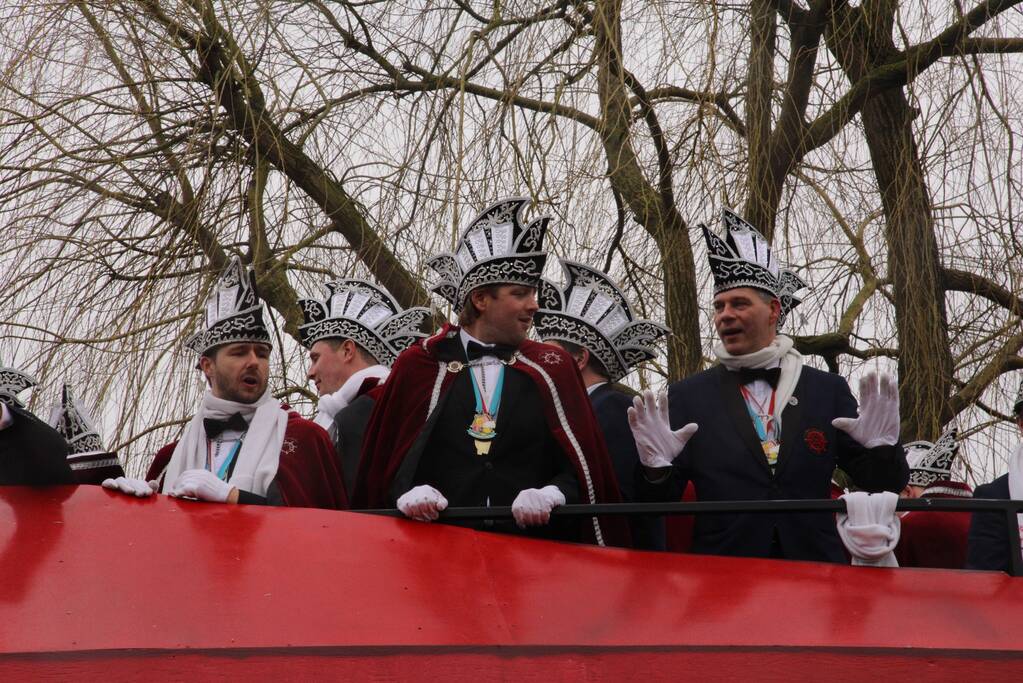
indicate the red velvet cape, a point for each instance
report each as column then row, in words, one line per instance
column 935, row 539
column 308, row 474
column 402, row 409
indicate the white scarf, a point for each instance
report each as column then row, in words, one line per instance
column 778, row 351
column 870, row 528
column 330, row 405
column 257, row 462
column 1016, row 482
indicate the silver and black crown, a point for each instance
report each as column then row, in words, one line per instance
column 73, row 423
column 365, row 313
column 592, row 312
column 497, row 247
column 12, row 383
column 744, row 259
column 234, row 312
column 930, row 462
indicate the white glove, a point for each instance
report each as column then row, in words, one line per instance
column 532, row 507
column 878, row 423
column 201, row 485
column 870, row 528
column 423, row 503
column 657, row 444
column 133, row 487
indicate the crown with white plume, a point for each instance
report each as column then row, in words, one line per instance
column 497, row 247
column 592, row 312
column 365, row 313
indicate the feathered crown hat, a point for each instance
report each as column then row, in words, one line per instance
column 592, row 312
column 365, row 313
column 234, row 312
column 497, row 247
column 12, row 383
column 744, row 259
column 73, row 423
column 929, row 462
column 88, row 460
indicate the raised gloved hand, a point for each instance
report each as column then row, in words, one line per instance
column 657, row 444
column 201, row 485
column 532, row 507
column 878, row 423
column 133, row 487
column 422, row 502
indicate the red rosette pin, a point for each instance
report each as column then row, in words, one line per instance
column 815, row 441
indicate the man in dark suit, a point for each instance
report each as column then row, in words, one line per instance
column 988, row 541
column 592, row 320
column 761, row 425
column 31, row 452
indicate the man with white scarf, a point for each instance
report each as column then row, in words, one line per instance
column 243, row 445
column 761, row 425
column 988, row 541
column 354, row 333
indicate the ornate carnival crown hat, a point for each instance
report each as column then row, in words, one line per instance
column 12, row 383
column 1017, row 406
column 592, row 312
column 744, row 259
column 497, row 247
column 929, row 462
column 234, row 312
column 365, row 313
column 74, row 424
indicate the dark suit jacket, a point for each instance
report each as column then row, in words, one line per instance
column 725, row 461
column 610, row 405
column 987, row 546
column 350, row 424
column 32, row 452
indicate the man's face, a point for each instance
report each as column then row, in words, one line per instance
column 505, row 318
column 744, row 321
column 330, row 367
column 238, row 372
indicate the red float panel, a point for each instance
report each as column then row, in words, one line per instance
column 93, row 582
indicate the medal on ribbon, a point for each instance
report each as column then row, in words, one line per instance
column 483, row 428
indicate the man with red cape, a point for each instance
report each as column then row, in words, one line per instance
column 933, row 539
column 243, row 445
column 478, row 415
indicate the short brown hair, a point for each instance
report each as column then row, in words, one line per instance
column 469, row 313
column 593, row 363
column 336, row 342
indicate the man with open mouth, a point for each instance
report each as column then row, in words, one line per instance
column 243, row 445
column 761, row 425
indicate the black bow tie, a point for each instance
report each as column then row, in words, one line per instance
column 502, row 351
column 769, row 375
column 215, row 428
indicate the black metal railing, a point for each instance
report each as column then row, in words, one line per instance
column 1009, row 508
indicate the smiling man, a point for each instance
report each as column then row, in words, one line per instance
column 478, row 415
column 761, row 425
column 243, row 445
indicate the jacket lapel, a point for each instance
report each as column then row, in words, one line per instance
column 791, row 422
column 735, row 406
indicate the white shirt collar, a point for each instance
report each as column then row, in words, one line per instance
column 593, row 387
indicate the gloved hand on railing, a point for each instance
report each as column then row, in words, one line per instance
column 656, row 443
column 422, row 503
column 131, row 486
column 532, row 507
column 201, row 485
column 878, row 421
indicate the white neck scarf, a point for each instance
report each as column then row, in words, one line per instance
column 781, row 351
column 330, row 405
column 1016, row 482
column 260, row 454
